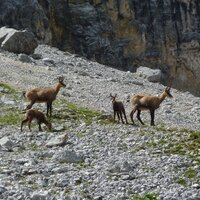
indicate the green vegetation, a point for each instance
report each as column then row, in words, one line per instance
column 172, row 141
column 191, row 173
column 182, row 182
column 33, row 146
column 146, row 196
column 9, row 116
column 75, row 113
column 187, row 145
column 7, row 88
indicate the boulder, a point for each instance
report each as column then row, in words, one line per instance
column 57, row 141
column 41, row 195
column 68, row 157
column 152, row 75
column 6, row 143
column 17, row 41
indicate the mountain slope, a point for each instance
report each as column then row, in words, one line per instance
column 100, row 160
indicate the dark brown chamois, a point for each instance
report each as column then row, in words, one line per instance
column 38, row 116
column 118, row 108
column 44, row 95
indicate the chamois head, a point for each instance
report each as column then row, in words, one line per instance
column 113, row 98
column 167, row 91
column 168, row 88
column 61, row 79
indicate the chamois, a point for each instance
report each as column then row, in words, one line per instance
column 39, row 116
column 118, row 109
column 47, row 95
column 151, row 103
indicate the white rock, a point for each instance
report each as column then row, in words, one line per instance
column 152, row 75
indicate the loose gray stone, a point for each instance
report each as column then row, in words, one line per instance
column 40, row 195
column 58, row 141
column 6, row 143
column 68, row 157
column 25, row 58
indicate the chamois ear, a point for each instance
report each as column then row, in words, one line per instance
column 115, row 95
column 61, row 78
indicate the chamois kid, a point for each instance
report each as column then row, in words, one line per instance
column 38, row 116
column 44, row 95
column 151, row 103
column 118, row 108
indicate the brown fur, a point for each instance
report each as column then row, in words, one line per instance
column 151, row 103
column 39, row 116
column 118, row 108
column 44, row 95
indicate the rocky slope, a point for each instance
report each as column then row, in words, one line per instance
column 87, row 156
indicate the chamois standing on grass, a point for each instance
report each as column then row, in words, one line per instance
column 118, row 109
column 151, row 103
column 39, row 116
column 44, row 95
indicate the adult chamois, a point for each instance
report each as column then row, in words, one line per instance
column 44, row 95
column 151, row 103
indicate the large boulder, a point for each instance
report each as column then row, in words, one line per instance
column 17, row 41
column 152, row 75
column 26, row 14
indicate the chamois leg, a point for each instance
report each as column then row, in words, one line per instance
column 138, row 116
column 152, row 112
column 39, row 125
column 47, row 109
column 50, row 109
column 29, row 124
column 29, row 106
column 118, row 116
column 114, row 115
column 120, row 113
column 124, row 113
column 24, row 121
column 132, row 113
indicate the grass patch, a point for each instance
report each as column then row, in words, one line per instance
column 191, row 173
column 182, row 182
column 7, row 88
column 146, row 196
column 75, row 113
column 188, row 145
column 33, row 146
column 171, row 141
column 9, row 116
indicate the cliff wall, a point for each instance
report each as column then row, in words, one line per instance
column 162, row 34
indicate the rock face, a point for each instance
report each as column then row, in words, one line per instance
column 160, row 34
column 17, row 41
